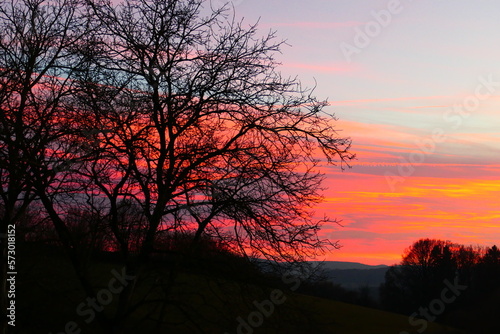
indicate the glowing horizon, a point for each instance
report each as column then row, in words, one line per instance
column 419, row 95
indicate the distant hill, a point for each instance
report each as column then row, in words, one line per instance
column 350, row 275
column 355, row 276
column 347, row 265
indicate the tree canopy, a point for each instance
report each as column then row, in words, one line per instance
column 428, row 269
column 152, row 119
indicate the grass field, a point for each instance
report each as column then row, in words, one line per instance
column 49, row 296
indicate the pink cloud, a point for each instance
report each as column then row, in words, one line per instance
column 411, row 98
column 316, row 25
column 322, row 68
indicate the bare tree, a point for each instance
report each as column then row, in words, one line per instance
column 36, row 131
column 201, row 131
column 159, row 117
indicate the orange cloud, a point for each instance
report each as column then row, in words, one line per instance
column 379, row 224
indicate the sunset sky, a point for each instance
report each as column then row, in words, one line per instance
column 416, row 85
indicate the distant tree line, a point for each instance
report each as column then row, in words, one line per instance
column 423, row 272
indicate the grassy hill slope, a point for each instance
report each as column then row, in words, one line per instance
column 49, row 297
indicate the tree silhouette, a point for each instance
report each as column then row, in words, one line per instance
column 420, row 276
column 201, row 132
column 35, row 69
column 158, row 118
column 488, row 274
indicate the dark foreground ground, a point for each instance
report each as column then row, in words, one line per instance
column 50, row 300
